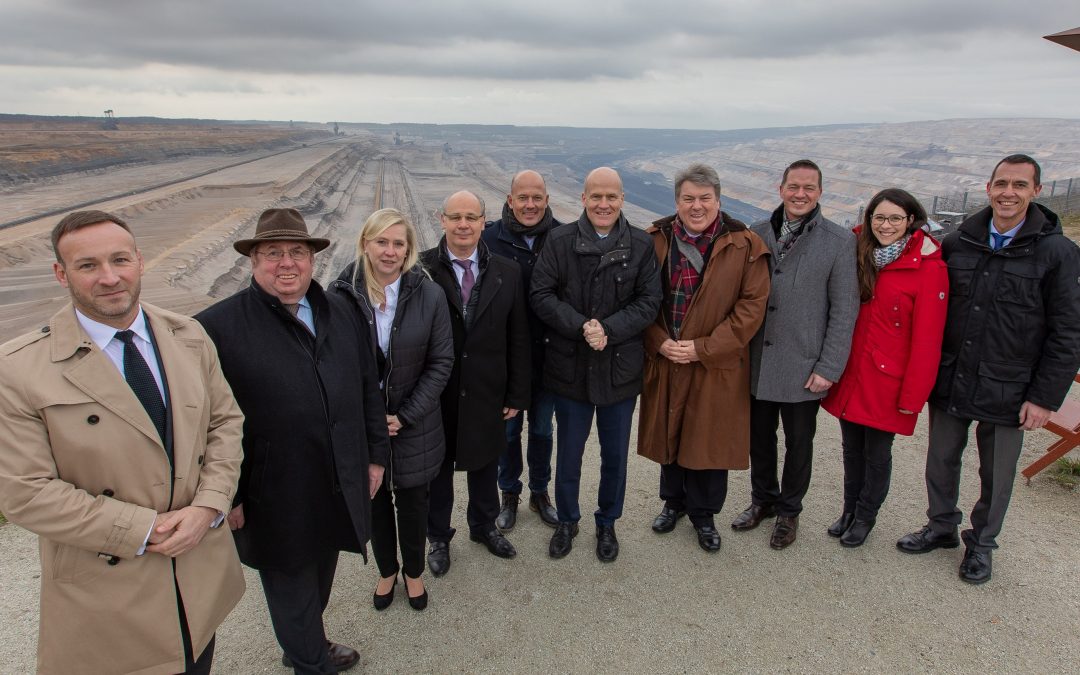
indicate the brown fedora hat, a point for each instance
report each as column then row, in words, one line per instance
column 280, row 225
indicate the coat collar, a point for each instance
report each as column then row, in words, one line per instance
column 1038, row 222
column 99, row 379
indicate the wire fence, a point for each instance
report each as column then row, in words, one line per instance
column 1061, row 196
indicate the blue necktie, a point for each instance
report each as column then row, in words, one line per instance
column 142, row 382
column 1000, row 240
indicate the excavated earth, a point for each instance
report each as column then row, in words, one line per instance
column 665, row 605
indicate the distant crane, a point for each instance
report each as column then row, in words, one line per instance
column 109, row 123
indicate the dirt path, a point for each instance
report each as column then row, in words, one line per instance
column 666, row 606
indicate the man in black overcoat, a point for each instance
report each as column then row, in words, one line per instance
column 315, row 436
column 490, row 380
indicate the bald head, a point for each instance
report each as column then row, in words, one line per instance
column 463, row 197
column 605, row 174
column 603, row 198
column 528, row 198
column 462, row 221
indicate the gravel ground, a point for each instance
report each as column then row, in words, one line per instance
column 667, row 606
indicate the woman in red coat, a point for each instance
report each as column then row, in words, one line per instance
column 895, row 352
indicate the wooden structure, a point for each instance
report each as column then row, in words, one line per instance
column 1066, row 38
column 1066, row 424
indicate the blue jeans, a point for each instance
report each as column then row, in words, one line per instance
column 574, row 421
column 538, row 454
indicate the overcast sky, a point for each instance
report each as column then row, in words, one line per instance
column 605, row 63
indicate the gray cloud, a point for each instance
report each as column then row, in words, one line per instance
column 565, row 40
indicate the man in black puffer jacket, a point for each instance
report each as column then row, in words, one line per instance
column 597, row 287
column 1010, row 352
column 520, row 235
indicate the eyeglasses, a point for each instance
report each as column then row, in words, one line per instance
column 470, row 218
column 894, row 219
column 277, row 255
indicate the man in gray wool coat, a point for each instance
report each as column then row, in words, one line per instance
column 801, row 348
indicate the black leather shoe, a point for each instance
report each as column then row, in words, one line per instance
column 438, row 558
column 752, row 517
column 708, row 538
column 607, row 545
column 841, row 525
column 975, row 569
column 508, row 515
column 540, row 503
column 665, row 522
column 495, row 542
column 341, row 657
column 855, row 535
column 563, row 540
column 418, row 602
column 926, row 540
column 381, row 602
column 783, row 534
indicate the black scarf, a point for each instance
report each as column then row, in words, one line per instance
column 517, row 228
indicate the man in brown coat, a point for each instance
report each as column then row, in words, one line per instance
column 121, row 451
column 695, row 406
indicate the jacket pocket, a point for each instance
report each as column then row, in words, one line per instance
column 1001, row 388
column 560, row 358
column 625, row 280
column 1020, row 284
column 961, row 274
column 627, row 363
column 885, row 364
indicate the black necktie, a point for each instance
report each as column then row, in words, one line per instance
column 142, row 382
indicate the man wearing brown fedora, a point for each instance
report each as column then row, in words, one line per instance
column 315, row 437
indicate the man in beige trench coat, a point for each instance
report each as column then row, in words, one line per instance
column 123, row 490
column 695, row 403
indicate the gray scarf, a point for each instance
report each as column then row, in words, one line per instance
column 884, row 255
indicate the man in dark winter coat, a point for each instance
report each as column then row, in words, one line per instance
column 596, row 287
column 489, row 383
column 1009, row 355
column 520, row 236
column 315, row 436
column 800, row 350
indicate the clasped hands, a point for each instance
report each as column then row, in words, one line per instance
column 679, row 351
column 594, row 334
column 177, row 532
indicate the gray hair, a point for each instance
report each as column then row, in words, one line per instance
column 479, row 199
column 698, row 174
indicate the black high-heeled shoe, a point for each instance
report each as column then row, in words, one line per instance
column 381, row 602
column 419, row 602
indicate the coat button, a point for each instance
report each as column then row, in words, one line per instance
column 107, row 492
column 113, row 560
column 768, row 344
column 772, row 308
column 976, row 308
column 44, row 329
column 93, row 419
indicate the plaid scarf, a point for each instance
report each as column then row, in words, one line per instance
column 789, row 233
column 686, row 268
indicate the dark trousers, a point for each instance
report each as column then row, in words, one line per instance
column 538, row 452
column 800, row 424
column 700, row 492
column 999, row 450
column 867, row 468
column 483, row 501
column 296, row 600
column 574, row 422
column 408, row 530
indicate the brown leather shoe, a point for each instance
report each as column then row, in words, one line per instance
column 752, row 517
column 783, row 534
column 341, row 657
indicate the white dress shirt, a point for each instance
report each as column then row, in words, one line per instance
column 384, row 318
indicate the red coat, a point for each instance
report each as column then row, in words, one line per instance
column 896, row 347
